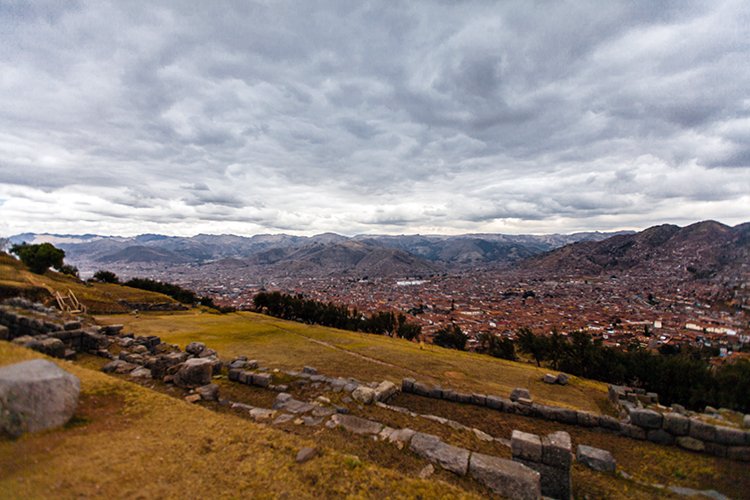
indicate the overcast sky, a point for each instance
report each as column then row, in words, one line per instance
column 372, row 117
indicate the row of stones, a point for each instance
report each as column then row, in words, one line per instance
column 691, row 434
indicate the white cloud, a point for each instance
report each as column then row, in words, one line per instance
column 423, row 117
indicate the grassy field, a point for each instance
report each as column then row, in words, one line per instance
column 289, row 345
column 127, row 441
column 15, row 279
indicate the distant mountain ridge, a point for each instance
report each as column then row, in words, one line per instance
column 704, row 250
column 377, row 255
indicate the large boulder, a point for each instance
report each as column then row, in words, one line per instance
column 451, row 458
column 506, row 478
column 194, row 372
column 36, row 395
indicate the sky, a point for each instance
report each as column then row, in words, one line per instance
column 393, row 117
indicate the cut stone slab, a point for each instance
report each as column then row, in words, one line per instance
column 209, row 392
column 596, row 458
column 504, row 477
column 549, row 378
column 648, row 419
column 676, row 424
column 364, row 394
column 519, row 392
column 562, row 379
column 557, row 450
column 702, row 430
column 525, row 445
column 357, row 425
column 450, row 458
column 385, row 390
column 194, row 372
column 36, row 395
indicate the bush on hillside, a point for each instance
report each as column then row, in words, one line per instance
column 103, row 276
column 177, row 292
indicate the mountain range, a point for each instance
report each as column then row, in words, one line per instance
column 374, row 255
column 705, row 249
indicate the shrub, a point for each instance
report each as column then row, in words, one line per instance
column 103, row 276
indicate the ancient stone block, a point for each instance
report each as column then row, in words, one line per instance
column 194, row 373
column 701, row 430
column 659, row 436
column 36, row 395
column 729, row 436
column 555, row 483
column 209, row 392
column 526, row 446
column 557, row 450
column 421, row 389
column 648, row 419
column 385, row 390
column 357, row 425
column 549, row 378
column 610, row 423
column 309, row 370
column 262, row 379
column 632, row 431
column 586, row 419
column 449, row 457
column 436, row 393
column 407, row 385
column 596, row 458
column 479, row 399
column 364, row 394
column 496, row 403
column 676, row 424
column 506, row 478
column 519, row 392
column 562, row 379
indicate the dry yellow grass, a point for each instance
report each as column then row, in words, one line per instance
column 290, row 345
column 128, row 441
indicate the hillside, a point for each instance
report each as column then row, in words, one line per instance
column 128, row 441
column 99, row 298
column 703, row 250
column 289, row 345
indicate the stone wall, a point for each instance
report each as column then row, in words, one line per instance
column 42, row 329
column 669, row 428
column 551, row 456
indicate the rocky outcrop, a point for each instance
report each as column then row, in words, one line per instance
column 36, row 395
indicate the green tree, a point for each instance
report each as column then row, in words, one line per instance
column 106, row 277
column 452, row 337
column 534, row 345
column 39, row 258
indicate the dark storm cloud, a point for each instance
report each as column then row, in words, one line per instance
column 412, row 116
